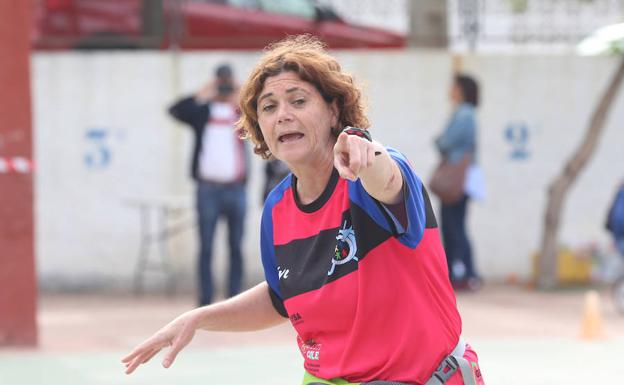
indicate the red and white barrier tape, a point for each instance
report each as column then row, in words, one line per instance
column 16, row 164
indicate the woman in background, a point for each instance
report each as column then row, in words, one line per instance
column 458, row 141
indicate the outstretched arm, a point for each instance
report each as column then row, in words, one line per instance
column 250, row 310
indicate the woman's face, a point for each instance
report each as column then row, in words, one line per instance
column 295, row 120
column 456, row 94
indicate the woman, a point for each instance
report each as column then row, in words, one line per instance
column 349, row 244
column 458, row 144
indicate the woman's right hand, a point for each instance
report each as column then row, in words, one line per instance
column 176, row 334
column 250, row 310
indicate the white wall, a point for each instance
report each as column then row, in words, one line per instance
column 87, row 234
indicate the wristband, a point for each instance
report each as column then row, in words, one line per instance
column 364, row 134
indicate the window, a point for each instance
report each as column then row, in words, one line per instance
column 300, row 8
column 247, row 4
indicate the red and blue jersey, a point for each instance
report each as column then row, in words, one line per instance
column 367, row 293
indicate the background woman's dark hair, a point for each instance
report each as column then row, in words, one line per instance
column 469, row 88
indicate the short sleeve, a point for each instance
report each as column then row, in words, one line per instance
column 414, row 203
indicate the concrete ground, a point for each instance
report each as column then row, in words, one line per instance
column 522, row 337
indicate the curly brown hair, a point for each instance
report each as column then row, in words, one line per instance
column 306, row 56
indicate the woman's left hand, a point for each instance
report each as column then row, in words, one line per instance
column 353, row 155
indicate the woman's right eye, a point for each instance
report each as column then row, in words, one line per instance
column 268, row 107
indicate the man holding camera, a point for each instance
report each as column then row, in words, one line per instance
column 219, row 166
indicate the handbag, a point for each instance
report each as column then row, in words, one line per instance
column 447, row 181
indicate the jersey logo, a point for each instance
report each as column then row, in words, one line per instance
column 311, row 351
column 345, row 248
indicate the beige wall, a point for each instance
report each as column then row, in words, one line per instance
column 88, row 105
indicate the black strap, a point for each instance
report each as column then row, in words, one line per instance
column 364, row 134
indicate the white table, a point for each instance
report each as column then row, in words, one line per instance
column 159, row 221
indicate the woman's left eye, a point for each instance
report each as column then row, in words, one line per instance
column 299, row 101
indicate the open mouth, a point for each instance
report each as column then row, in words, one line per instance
column 290, row 137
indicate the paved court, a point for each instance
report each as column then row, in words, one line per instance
column 522, row 337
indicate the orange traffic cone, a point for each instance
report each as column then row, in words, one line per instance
column 591, row 326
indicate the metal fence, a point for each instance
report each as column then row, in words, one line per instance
column 542, row 25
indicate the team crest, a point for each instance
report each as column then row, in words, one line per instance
column 345, row 247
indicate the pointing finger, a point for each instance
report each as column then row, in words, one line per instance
column 355, row 155
column 342, row 157
column 342, row 144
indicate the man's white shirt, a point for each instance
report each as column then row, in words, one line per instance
column 221, row 159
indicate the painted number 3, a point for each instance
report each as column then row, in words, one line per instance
column 98, row 155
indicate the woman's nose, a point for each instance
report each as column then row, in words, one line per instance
column 283, row 113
